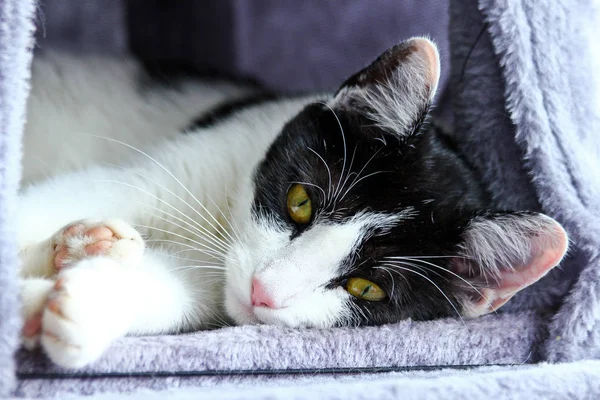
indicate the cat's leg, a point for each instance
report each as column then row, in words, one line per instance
column 42, row 262
column 99, row 297
column 99, row 300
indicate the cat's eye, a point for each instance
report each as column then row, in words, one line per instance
column 299, row 206
column 364, row 289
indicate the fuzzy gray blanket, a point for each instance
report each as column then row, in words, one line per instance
column 526, row 109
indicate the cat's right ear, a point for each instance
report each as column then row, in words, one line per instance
column 503, row 253
column 396, row 90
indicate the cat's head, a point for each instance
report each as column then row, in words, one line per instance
column 360, row 215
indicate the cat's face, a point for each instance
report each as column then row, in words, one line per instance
column 360, row 215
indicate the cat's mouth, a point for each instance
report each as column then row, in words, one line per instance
column 245, row 313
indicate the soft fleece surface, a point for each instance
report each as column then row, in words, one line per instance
column 527, row 112
column 579, row 380
column 16, row 29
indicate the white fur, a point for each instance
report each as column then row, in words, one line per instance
column 177, row 196
column 296, row 272
column 73, row 98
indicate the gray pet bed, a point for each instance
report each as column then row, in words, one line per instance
column 526, row 110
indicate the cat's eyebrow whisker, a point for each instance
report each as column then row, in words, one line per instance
column 451, row 273
column 328, row 173
column 361, row 171
column 174, row 178
column 434, row 284
column 204, row 229
column 356, row 182
column 337, row 189
column 348, row 175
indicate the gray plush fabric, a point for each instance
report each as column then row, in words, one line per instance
column 579, row 380
column 527, row 115
column 90, row 26
column 286, row 44
column 503, row 339
column 16, row 30
column 536, row 141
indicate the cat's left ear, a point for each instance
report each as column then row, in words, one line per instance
column 395, row 91
column 504, row 253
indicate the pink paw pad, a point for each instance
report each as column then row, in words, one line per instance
column 101, row 238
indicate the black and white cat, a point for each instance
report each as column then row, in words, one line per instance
column 313, row 211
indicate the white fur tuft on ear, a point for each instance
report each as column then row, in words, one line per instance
column 505, row 253
column 396, row 89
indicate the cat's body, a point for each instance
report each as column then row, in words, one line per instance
column 191, row 229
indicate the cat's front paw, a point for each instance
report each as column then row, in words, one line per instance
column 112, row 238
column 83, row 314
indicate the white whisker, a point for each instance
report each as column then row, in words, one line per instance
column 344, row 142
column 348, row 175
column 211, row 267
column 420, row 268
column 204, row 229
column 356, row 182
column 172, row 176
column 328, row 173
column 448, row 271
column 392, row 279
column 217, row 245
column 434, row 284
column 361, row 171
column 209, row 251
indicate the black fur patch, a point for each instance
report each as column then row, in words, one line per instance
column 383, row 173
column 228, row 108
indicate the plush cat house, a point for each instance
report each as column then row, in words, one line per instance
column 525, row 96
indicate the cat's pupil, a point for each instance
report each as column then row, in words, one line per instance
column 303, row 202
column 366, row 290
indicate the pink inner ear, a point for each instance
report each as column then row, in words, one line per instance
column 429, row 53
column 548, row 250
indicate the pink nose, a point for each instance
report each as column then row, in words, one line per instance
column 259, row 297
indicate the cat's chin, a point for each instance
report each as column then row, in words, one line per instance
column 248, row 315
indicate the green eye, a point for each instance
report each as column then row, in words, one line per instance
column 299, row 206
column 364, row 289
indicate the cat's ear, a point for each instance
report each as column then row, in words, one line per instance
column 395, row 91
column 502, row 254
